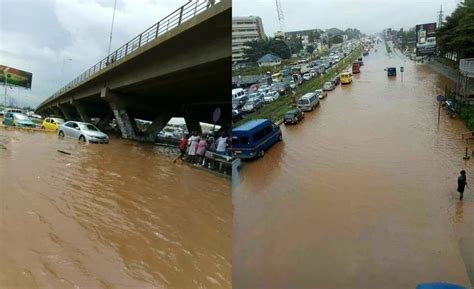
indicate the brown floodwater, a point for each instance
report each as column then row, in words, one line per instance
column 121, row 215
column 360, row 194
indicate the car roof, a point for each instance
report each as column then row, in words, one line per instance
column 251, row 125
column 79, row 122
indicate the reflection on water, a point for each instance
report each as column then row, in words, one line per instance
column 361, row 193
column 109, row 216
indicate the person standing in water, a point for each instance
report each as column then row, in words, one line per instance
column 462, row 182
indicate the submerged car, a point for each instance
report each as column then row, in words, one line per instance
column 293, row 116
column 321, row 93
column 328, row 85
column 52, row 123
column 82, row 131
column 18, row 120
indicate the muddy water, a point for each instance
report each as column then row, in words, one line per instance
column 361, row 194
column 109, row 216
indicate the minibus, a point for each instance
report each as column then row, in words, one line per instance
column 251, row 139
column 346, row 78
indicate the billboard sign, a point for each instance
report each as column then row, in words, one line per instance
column 425, row 39
column 15, row 76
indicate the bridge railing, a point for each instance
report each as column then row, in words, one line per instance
column 174, row 19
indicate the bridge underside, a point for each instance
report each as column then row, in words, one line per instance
column 188, row 75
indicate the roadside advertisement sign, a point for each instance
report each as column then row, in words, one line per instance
column 425, row 39
column 15, row 76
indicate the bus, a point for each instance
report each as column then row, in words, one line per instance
column 346, row 77
column 251, row 139
column 277, row 77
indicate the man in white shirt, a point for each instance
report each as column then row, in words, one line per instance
column 222, row 145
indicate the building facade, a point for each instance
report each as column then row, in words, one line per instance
column 245, row 29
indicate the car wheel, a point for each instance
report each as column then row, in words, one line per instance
column 82, row 138
column 61, row 134
column 261, row 153
column 42, row 127
column 280, row 137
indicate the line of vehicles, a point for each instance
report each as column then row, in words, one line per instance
column 82, row 131
column 251, row 139
column 255, row 97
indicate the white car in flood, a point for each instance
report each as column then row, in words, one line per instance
column 82, row 131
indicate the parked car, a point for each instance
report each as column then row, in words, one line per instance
column 308, row 101
column 293, row 116
column 292, row 84
column 236, row 115
column 252, row 105
column 321, row 93
column 82, row 131
column 271, row 96
column 328, row 85
column 52, row 123
column 239, row 102
column 306, row 76
column 18, row 120
column 251, row 139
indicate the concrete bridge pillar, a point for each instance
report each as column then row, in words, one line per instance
column 192, row 124
column 81, row 110
column 120, row 113
column 156, row 126
column 65, row 112
column 106, row 120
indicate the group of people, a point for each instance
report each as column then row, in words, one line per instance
column 193, row 147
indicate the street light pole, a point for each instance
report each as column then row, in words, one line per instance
column 112, row 28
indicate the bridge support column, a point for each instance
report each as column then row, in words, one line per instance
column 120, row 113
column 192, row 124
column 156, row 126
column 81, row 110
column 65, row 112
column 106, row 120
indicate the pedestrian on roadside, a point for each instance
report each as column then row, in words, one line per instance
column 462, row 182
column 201, row 150
column 222, row 144
column 183, row 144
column 193, row 142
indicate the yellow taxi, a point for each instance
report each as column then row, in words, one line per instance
column 52, row 123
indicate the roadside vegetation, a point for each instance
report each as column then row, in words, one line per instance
column 456, row 34
column 277, row 109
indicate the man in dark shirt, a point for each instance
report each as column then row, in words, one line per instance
column 462, row 182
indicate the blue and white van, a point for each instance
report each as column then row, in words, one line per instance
column 251, row 139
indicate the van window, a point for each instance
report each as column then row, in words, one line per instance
column 312, row 98
column 268, row 130
column 303, row 101
column 259, row 135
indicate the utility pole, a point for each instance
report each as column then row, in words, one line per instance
column 440, row 16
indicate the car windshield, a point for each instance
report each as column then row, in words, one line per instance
column 303, row 101
column 88, row 126
column 289, row 115
column 20, row 116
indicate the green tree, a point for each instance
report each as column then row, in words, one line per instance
column 310, row 49
column 258, row 48
column 457, row 33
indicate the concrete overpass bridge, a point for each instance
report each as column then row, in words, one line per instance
column 179, row 67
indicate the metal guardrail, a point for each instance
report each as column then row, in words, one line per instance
column 466, row 67
column 173, row 20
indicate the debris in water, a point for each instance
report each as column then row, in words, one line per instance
column 63, row 152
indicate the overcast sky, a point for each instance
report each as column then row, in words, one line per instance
column 369, row 16
column 40, row 35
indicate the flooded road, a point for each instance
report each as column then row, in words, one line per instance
column 120, row 215
column 360, row 194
